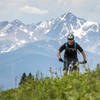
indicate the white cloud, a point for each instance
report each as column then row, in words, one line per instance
column 64, row 2
column 11, row 9
column 33, row 10
column 11, row 4
column 79, row 3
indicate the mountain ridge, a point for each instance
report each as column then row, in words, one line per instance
column 29, row 48
column 17, row 33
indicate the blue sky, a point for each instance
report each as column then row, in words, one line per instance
column 33, row 11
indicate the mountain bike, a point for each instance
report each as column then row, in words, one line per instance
column 73, row 66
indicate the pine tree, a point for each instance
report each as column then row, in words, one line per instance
column 23, row 78
column 98, row 65
column 30, row 76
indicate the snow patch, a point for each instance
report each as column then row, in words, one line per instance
column 35, row 38
column 78, row 22
column 9, row 49
column 21, row 42
column 46, row 31
column 6, row 27
column 31, row 34
column 2, row 34
column 43, row 24
column 80, row 32
column 50, row 23
column 89, row 23
column 62, row 18
column 25, row 30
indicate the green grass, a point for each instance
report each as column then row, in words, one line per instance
column 74, row 86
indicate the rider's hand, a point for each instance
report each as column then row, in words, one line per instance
column 85, row 61
column 60, row 59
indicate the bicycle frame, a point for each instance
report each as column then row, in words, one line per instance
column 73, row 65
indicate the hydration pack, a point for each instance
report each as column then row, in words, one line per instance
column 73, row 48
column 74, row 45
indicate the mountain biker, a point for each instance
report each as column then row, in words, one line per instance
column 70, row 53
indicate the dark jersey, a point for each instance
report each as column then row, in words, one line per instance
column 70, row 50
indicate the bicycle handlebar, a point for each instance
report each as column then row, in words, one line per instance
column 73, row 62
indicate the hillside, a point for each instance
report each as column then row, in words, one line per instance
column 22, row 46
column 75, row 86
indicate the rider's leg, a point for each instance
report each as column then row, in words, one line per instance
column 75, row 67
column 72, row 61
column 65, row 72
column 71, row 69
column 65, row 69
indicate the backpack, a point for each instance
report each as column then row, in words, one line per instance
column 74, row 45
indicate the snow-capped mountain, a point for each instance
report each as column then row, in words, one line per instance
column 14, row 34
column 28, row 48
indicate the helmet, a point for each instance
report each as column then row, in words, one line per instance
column 70, row 36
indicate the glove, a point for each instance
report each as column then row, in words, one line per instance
column 60, row 59
column 85, row 61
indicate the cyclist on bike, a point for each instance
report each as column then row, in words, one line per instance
column 70, row 54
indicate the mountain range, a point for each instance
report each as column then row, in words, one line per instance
column 33, row 47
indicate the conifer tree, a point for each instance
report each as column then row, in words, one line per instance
column 30, row 76
column 23, row 78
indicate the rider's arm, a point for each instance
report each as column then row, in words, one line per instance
column 58, row 54
column 60, row 50
column 84, row 56
column 82, row 51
